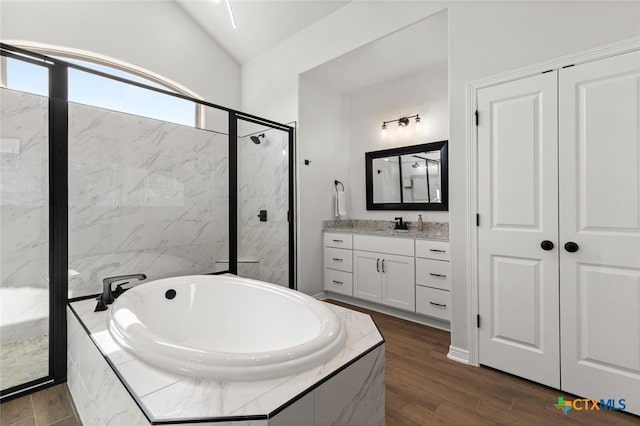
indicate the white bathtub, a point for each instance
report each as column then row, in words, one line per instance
column 225, row 327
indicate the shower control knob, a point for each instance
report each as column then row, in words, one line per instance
column 546, row 245
column 571, row 247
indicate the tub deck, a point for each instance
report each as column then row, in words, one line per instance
column 158, row 396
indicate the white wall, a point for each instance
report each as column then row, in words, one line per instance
column 156, row 35
column 424, row 93
column 484, row 38
column 323, row 140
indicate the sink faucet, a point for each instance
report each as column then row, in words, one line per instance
column 400, row 224
column 108, row 296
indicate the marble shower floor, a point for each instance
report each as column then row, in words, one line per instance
column 24, row 361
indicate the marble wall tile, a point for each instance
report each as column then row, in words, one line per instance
column 143, row 197
column 99, row 396
column 263, row 185
column 355, row 398
column 301, row 412
column 24, row 190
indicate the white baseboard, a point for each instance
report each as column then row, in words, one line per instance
column 409, row 316
column 320, row 296
column 458, row 355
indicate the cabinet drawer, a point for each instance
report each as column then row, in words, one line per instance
column 391, row 245
column 338, row 240
column 433, row 302
column 340, row 259
column 433, row 273
column 338, row 282
column 430, row 249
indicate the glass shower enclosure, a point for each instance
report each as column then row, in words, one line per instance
column 92, row 189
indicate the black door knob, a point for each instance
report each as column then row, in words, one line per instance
column 571, row 247
column 546, row 245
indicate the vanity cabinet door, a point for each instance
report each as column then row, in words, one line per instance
column 398, row 282
column 367, row 276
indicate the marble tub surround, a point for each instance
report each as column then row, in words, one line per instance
column 142, row 197
column 431, row 230
column 166, row 396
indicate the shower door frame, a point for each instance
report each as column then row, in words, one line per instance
column 58, row 223
column 233, row 183
column 59, row 201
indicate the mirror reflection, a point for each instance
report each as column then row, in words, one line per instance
column 421, row 177
column 408, row 178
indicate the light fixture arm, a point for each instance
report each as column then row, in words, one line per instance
column 404, row 119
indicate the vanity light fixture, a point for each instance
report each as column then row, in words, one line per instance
column 402, row 123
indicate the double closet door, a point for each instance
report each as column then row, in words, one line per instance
column 559, row 235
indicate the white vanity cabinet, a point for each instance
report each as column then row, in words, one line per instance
column 384, row 270
column 401, row 272
column 338, row 263
column 433, row 279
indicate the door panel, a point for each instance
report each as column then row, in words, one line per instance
column 600, row 286
column 366, row 275
column 398, row 282
column 518, row 207
column 516, row 324
column 599, row 205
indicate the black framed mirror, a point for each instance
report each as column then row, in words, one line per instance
column 408, row 178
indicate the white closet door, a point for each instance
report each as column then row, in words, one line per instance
column 599, row 155
column 518, row 207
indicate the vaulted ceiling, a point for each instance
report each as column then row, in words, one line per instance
column 261, row 24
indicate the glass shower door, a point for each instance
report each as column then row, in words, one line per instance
column 264, row 233
column 24, row 226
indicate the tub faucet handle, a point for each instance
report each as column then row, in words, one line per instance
column 108, row 296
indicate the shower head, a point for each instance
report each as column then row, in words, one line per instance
column 256, row 139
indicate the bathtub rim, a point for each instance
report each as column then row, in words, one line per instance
column 229, row 366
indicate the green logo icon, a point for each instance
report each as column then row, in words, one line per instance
column 563, row 405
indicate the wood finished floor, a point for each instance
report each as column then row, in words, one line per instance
column 48, row 407
column 424, row 387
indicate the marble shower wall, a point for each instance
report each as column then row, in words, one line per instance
column 263, row 172
column 143, row 197
column 24, row 190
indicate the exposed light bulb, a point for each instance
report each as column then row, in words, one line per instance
column 383, row 131
column 418, row 124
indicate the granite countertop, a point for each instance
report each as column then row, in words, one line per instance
column 431, row 230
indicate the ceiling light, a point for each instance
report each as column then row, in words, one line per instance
column 233, row 19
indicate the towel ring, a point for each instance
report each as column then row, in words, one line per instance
column 336, row 183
